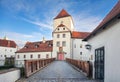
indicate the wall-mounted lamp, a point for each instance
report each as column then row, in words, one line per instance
column 88, row 46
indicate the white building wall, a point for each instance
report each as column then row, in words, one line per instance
column 67, row 21
column 65, row 48
column 8, row 51
column 19, row 62
column 80, row 53
column 109, row 38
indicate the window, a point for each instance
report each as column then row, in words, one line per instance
column 24, row 56
column 36, row 45
column 5, row 56
column 58, row 29
column 74, row 45
column 80, row 53
column 18, row 56
column 80, row 45
column 5, row 49
column 38, row 55
column 63, row 35
column 63, row 43
column 58, row 44
column 47, row 55
column 58, row 36
column 10, row 50
column 31, row 56
column 26, row 47
column 63, row 28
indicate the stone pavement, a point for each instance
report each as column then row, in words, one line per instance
column 58, row 71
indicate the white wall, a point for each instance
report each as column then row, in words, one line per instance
column 11, row 76
column 8, row 51
column 65, row 48
column 67, row 21
column 76, row 43
column 19, row 62
column 109, row 38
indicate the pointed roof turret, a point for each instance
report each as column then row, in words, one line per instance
column 63, row 13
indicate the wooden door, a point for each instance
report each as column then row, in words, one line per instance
column 60, row 56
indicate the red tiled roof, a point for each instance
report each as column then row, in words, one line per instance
column 111, row 15
column 63, row 13
column 37, row 47
column 61, row 25
column 7, row 43
column 80, row 35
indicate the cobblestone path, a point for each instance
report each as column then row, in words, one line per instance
column 58, row 71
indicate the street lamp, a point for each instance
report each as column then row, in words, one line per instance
column 88, row 46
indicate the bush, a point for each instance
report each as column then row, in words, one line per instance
column 6, row 67
column 22, row 72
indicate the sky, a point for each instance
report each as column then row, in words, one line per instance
column 31, row 20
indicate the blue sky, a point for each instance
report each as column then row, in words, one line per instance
column 30, row 20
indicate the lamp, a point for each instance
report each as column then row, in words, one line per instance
column 88, row 46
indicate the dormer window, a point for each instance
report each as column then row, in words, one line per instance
column 36, row 45
column 26, row 47
column 50, row 45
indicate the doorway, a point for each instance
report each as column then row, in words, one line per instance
column 60, row 56
column 99, row 63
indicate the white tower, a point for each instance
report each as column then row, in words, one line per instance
column 63, row 26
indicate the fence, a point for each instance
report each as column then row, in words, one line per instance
column 32, row 66
column 82, row 65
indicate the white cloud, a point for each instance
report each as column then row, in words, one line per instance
column 36, row 22
column 44, row 19
column 85, row 22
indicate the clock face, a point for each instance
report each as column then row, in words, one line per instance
column 61, row 22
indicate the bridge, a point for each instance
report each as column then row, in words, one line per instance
column 57, row 71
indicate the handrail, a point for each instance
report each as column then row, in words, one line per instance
column 32, row 66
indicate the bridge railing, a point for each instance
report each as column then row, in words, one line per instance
column 32, row 66
column 82, row 65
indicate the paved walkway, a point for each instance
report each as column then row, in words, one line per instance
column 58, row 71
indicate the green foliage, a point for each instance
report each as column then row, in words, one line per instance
column 22, row 71
column 6, row 67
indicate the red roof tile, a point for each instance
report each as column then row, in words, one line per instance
column 7, row 43
column 63, row 13
column 80, row 35
column 37, row 47
column 111, row 15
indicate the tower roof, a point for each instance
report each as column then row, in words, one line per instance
column 63, row 13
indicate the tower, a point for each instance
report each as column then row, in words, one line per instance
column 64, row 18
column 62, row 28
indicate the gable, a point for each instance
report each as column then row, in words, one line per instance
column 61, row 28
